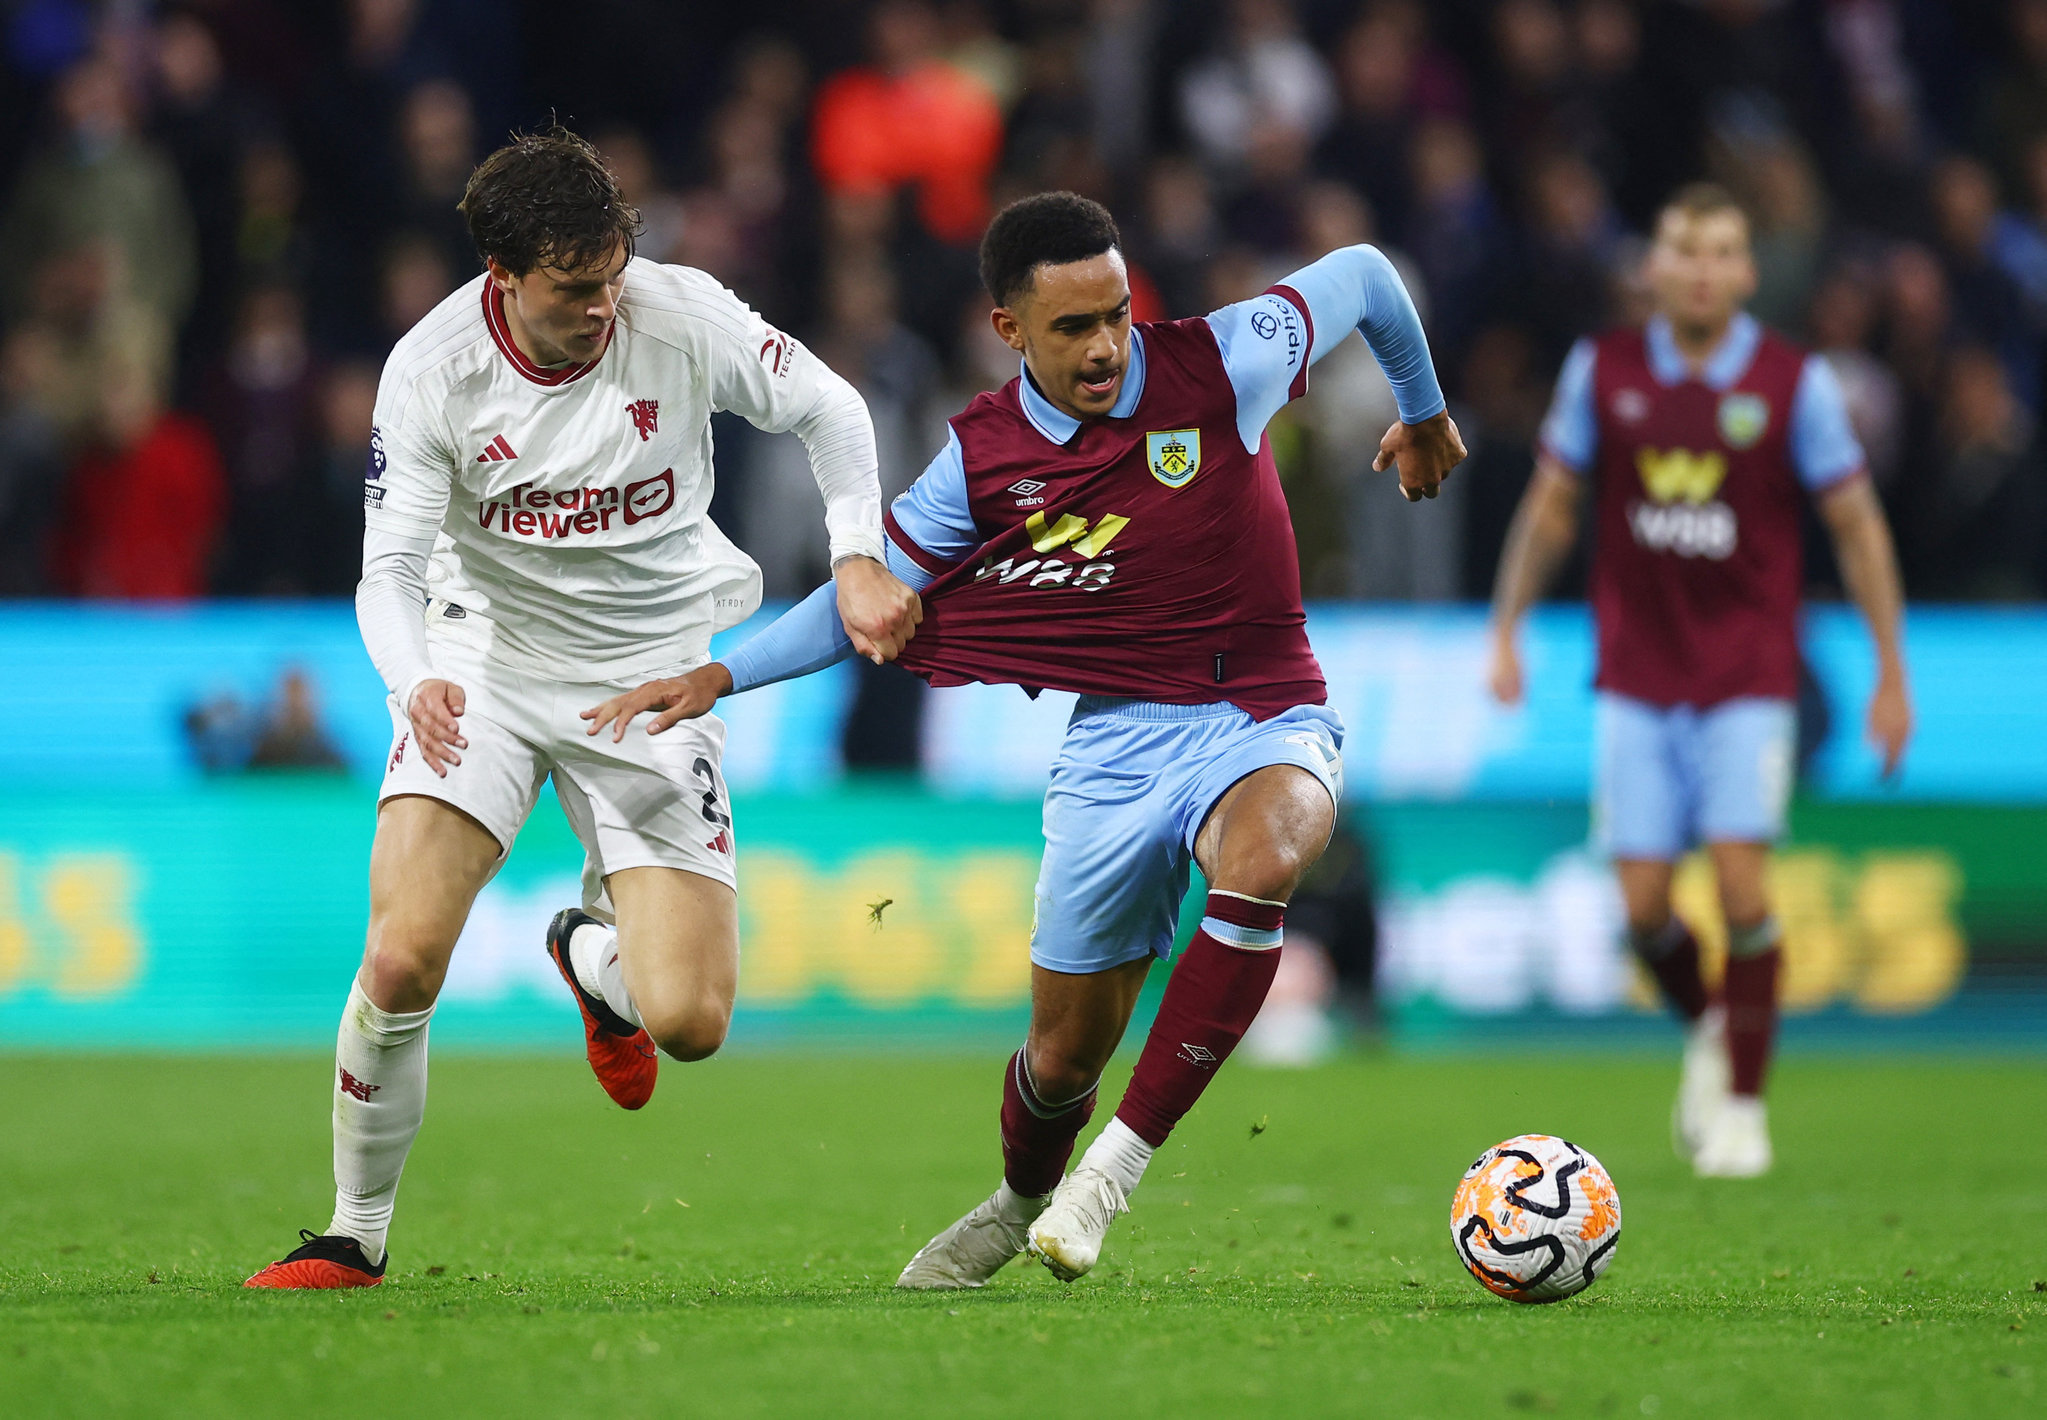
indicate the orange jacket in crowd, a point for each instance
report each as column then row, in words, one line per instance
column 934, row 125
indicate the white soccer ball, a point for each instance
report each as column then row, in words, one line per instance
column 1536, row 1219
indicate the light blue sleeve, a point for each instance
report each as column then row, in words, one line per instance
column 1570, row 431
column 1265, row 344
column 809, row 636
column 933, row 512
column 1824, row 448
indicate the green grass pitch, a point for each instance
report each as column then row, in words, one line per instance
column 729, row 1250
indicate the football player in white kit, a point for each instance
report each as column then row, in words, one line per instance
column 535, row 542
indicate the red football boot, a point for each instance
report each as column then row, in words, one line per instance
column 620, row 1054
column 321, row 1264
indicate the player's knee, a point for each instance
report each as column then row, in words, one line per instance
column 1271, row 870
column 402, row 971
column 690, row 1028
column 1059, row 1075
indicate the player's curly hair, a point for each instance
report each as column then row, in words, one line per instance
column 1049, row 227
column 547, row 199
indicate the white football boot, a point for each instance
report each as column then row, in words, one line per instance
column 1704, row 1085
column 1737, row 1143
column 975, row 1248
column 1068, row 1235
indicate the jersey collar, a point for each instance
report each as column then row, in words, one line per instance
column 1727, row 364
column 501, row 332
column 1059, row 426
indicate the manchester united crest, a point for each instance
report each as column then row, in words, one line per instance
column 1174, row 455
column 1743, row 418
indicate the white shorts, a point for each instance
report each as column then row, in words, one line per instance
column 649, row 801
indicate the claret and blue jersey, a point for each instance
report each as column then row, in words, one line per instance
column 1144, row 560
column 1698, row 478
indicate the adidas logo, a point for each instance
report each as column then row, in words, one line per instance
column 497, row 451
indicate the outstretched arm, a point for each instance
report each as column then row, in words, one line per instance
column 1545, row 527
column 930, row 527
column 1869, row 568
column 807, row 638
column 1269, row 342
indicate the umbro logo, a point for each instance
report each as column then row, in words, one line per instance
column 1197, row 1055
column 497, row 451
column 1027, row 487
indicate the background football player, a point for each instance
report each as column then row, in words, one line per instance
column 1697, row 439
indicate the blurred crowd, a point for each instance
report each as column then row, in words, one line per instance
column 217, row 215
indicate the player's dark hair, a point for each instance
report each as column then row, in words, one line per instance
column 547, row 199
column 1050, row 228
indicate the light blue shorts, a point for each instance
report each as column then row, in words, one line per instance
column 1132, row 785
column 1670, row 778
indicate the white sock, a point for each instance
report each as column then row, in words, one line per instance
column 610, row 971
column 1119, row 1153
column 379, row 1101
column 587, row 945
column 1016, row 1207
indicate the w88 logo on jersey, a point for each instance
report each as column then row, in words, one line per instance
column 1089, row 572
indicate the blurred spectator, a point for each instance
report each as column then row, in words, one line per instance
column 1263, row 87
column 639, row 179
column 204, row 123
column 348, row 401
column 143, row 505
column 98, row 184
column 1893, row 154
column 1504, row 398
column 270, row 239
column 1981, row 535
column 1574, row 240
column 416, row 278
column 227, row 735
column 911, row 119
column 262, row 409
column 1457, row 230
column 438, row 134
column 1379, row 76
column 1788, row 221
column 1533, row 60
column 1988, row 304
column 31, row 464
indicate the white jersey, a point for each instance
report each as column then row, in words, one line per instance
column 565, row 507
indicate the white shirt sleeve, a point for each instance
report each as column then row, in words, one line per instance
column 390, row 607
column 406, row 489
column 770, row 379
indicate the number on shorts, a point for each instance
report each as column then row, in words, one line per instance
column 711, row 811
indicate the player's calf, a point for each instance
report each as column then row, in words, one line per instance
column 1218, row 985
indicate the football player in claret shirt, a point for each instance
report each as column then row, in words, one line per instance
column 1110, row 523
column 1696, row 439
column 536, row 536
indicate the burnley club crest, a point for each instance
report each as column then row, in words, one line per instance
column 1174, row 455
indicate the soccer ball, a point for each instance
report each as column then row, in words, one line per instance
column 1536, row 1219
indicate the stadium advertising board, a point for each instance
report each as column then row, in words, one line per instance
column 231, row 914
column 157, row 890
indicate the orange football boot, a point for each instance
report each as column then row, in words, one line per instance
column 620, row 1054
column 321, row 1264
